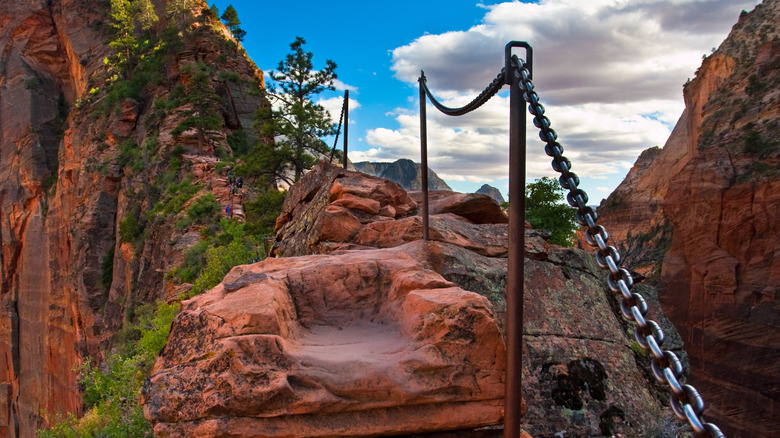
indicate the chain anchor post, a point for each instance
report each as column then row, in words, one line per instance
column 346, row 126
column 513, row 398
column 424, row 156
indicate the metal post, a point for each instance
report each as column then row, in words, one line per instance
column 516, row 258
column 424, row 157
column 346, row 125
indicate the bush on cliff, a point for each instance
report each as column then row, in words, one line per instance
column 112, row 390
column 545, row 210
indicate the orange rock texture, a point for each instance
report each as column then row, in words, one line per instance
column 357, row 344
column 361, row 328
column 64, row 191
column 704, row 215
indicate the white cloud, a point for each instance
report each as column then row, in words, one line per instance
column 333, row 106
column 609, row 72
column 341, row 86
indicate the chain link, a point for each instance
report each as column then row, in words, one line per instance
column 338, row 130
column 685, row 401
column 486, row 94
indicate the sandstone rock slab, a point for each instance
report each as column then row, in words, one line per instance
column 330, row 345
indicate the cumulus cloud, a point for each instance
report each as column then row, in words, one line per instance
column 333, row 106
column 610, row 73
column 596, row 51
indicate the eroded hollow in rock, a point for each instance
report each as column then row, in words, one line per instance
column 349, row 344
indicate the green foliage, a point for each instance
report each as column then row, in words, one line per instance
column 123, row 43
column 213, row 13
column 755, row 143
column 128, row 152
column 544, row 210
column 194, row 261
column 144, row 15
column 237, row 248
column 239, row 142
column 204, row 209
column 261, row 213
column 130, row 229
column 204, row 114
column 297, row 122
column 112, row 391
column 174, row 197
column 230, row 18
column 755, row 85
column 181, row 11
column 225, row 76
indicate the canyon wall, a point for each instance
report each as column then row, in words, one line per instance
column 702, row 217
column 65, row 188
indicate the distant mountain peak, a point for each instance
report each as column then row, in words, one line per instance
column 405, row 172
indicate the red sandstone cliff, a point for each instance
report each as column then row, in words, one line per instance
column 704, row 212
column 64, row 190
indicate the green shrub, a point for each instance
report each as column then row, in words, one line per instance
column 261, row 213
column 219, row 261
column 194, row 261
column 545, row 209
column 112, row 392
column 130, row 229
column 204, row 209
column 128, row 152
column 238, row 142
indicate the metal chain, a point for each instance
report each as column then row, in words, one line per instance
column 336, row 141
column 686, row 402
column 478, row 101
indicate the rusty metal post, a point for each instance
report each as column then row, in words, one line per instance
column 346, row 125
column 516, row 258
column 424, row 157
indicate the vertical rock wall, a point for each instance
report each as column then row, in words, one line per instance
column 63, row 195
column 714, row 188
column 41, row 44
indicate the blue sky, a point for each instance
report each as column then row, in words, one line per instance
column 610, row 73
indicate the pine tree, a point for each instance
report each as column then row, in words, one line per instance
column 230, row 18
column 204, row 104
column 297, row 123
column 181, row 10
column 144, row 14
column 545, row 209
column 124, row 42
column 214, row 13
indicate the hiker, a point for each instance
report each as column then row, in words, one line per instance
column 229, row 211
column 239, row 182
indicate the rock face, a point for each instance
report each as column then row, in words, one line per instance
column 706, row 209
column 492, row 192
column 405, row 172
column 293, row 347
column 273, row 348
column 66, row 185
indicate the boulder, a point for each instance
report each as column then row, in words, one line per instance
column 386, row 347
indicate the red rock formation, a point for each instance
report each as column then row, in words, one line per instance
column 292, row 347
column 711, row 198
column 63, row 194
column 580, row 374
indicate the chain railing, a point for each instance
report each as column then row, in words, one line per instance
column 685, row 401
column 345, row 118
